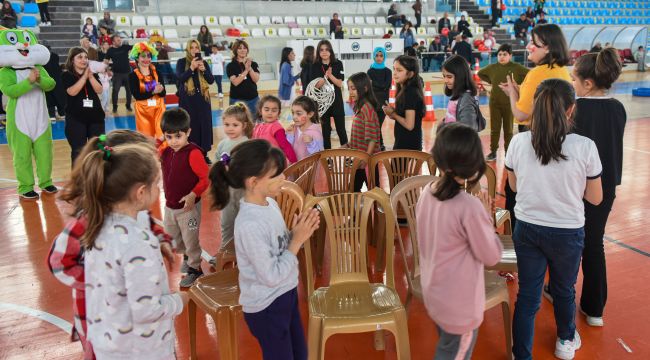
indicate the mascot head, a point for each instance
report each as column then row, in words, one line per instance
column 19, row 49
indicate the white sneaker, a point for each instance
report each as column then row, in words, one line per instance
column 220, row 96
column 566, row 349
column 592, row 320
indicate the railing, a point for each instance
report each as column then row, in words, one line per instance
column 433, row 60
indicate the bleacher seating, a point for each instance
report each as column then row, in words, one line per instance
column 17, row 8
column 31, row 8
column 27, row 21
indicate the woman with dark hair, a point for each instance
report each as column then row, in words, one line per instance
column 327, row 67
column 148, row 89
column 194, row 80
column 462, row 91
column 204, row 38
column 336, row 27
column 287, row 79
column 407, row 34
column 409, row 104
column 417, row 8
column 244, row 73
column 305, row 66
column 549, row 51
column 8, row 16
column 84, row 116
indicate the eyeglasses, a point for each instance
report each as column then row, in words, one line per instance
column 147, row 55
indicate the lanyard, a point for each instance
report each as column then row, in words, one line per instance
column 85, row 84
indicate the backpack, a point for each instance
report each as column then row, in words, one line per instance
column 481, row 123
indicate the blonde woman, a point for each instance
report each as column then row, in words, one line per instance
column 194, row 79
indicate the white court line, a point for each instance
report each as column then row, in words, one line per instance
column 637, row 150
column 8, row 180
column 42, row 315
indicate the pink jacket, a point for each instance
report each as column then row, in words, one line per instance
column 274, row 133
column 456, row 241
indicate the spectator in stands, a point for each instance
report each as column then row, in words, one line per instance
column 89, row 29
column 454, row 33
column 496, row 11
column 119, row 56
column 393, row 17
column 463, row 48
column 8, row 16
column 244, row 73
column 539, row 7
column 204, row 38
column 596, row 48
column 407, row 34
column 305, row 66
column 530, row 14
column 46, row 20
column 521, row 27
column 163, row 65
column 287, row 79
column 194, row 80
column 90, row 49
column 435, row 47
column 336, row 27
column 417, row 8
column 463, row 27
column 388, row 35
column 156, row 37
column 107, row 22
column 104, row 37
column 639, row 56
column 542, row 19
column 444, row 22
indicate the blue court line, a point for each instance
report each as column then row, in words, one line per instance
column 624, row 245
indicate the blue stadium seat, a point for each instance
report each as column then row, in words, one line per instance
column 27, row 21
column 17, row 8
column 31, row 8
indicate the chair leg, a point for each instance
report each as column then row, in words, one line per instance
column 507, row 325
column 234, row 331
column 380, row 340
column 321, row 237
column 380, row 230
column 191, row 316
column 409, row 297
column 314, row 334
column 402, row 336
column 222, row 322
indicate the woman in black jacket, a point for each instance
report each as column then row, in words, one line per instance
column 305, row 66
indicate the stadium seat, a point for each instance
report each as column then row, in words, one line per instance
column 194, row 32
column 183, row 21
column 138, row 20
column 123, row 20
column 277, row 20
column 170, row 34
column 370, row 20
column 197, row 20
column 356, row 32
column 211, row 21
column 17, row 7
column 302, row 20
column 296, row 32
column 289, row 19
column 381, row 20
column 270, row 32
column 265, row 20
column 32, row 8
column 310, row 32
column 321, row 32
column 422, row 30
column 252, row 20
column 257, row 32
column 175, row 45
column 324, row 20
column 238, row 20
column 432, row 31
column 93, row 17
column 153, row 21
column 367, row 32
column 347, row 20
column 379, row 32
column 225, row 20
column 284, row 32
column 359, row 20
column 27, row 21
column 314, row 20
column 168, row 21
column 216, row 32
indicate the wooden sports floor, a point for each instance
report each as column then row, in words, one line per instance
column 35, row 309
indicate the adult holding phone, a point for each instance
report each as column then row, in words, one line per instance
column 244, row 73
column 194, row 79
column 84, row 116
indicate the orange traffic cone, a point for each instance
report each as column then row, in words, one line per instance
column 391, row 94
column 428, row 101
column 477, row 80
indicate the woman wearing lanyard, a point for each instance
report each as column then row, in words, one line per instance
column 148, row 90
column 244, row 74
column 328, row 67
column 84, row 116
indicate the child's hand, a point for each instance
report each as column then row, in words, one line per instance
column 189, row 201
column 488, row 203
column 304, row 226
column 290, row 129
column 167, row 252
column 307, row 139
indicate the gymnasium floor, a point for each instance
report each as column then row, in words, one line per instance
column 36, row 308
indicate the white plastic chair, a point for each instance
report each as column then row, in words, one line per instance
column 277, row 20
column 348, row 20
column 183, row 21
column 216, row 32
column 194, row 32
column 324, row 20
column 257, row 33
column 153, row 21
column 168, row 21
column 321, row 32
column 175, row 45
column 370, row 20
column 302, row 20
column 211, row 21
column 356, row 32
column 381, row 20
column 284, row 32
column 225, row 20
column 379, row 32
column 422, row 30
column 310, row 32
column 197, row 20
column 138, row 20
column 289, row 19
column 251, row 20
column 170, row 34
column 367, row 32
column 296, row 32
column 270, row 32
column 123, row 21
column 313, row 20
column 359, row 20
column 265, row 20
column 432, row 30
column 238, row 20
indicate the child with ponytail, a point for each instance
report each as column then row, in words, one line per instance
column 266, row 250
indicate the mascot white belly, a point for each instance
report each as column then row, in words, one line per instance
column 31, row 110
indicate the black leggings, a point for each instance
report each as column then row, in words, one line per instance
column 79, row 132
column 326, row 126
column 45, row 12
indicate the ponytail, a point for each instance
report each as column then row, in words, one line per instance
column 603, row 67
column 550, row 124
column 94, row 168
column 219, row 185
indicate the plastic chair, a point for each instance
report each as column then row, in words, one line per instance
column 153, row 21
column 183, row 21
column 17, row 8
column 400, row 165
column 303, row 173
column 197, row 20
column 251, row 20
column 27, row 21
column 322, row 32
column 238, row 20
column 225, row 20
column 351, row 304
column 310, row 32
column 314, row 20
column 265, row 20
column 341, row 167
column 347, row 20
column 32, row 8
column 284, row 32
column 359, row 20
column 137, row 20
column 168, row 21
column 123, row 21
column 296, row 32
column 257, row 33
column 270, row 32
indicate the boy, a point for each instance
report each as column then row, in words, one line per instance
column 500, row 112
column 185, row 178
column 639, row 56
column 217, row 67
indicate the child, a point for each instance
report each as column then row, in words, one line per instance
column 305, row 134
column 238, row 128
column 456, row 241
column 270, row 129
column 185, row 178
column 305, row 66
column 104, row 38
column 460, row 86
column 217, row 61
column 380, row 77
column 130, row 309
column 409, row 104
column 639, row 56
column 90, row 30
column 365, row 124
column 500, row 112
column 602, row 119
column 551, row 170
column 66, row 257
column 266, row 250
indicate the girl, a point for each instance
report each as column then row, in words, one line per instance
column 90, row 30
column 326, row 66
column 552, row 171
column 126, row 281
column 266, row 250
column 365, row 125
column 602, row 119
column 8, row 16
column 409, row 109
column 380, row 77
column 305, row 66
column 148, row 89
column 407, row 34
column 460, row 86
column 244, row 73
column 268, row 126
column 217, row 61
column 304, row 134
column 84, row 116
column 287, row 79
column 66, row 256
column 204, row 37
column 457, row 239
column 194, row 80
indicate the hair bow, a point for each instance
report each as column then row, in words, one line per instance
column 225, row 159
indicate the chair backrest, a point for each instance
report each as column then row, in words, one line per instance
column 216, row 32
column 356, row 32
column 17, row 8
column 153, row 21
column 346, row 217
column 123, row 21
column 302, row 20
column 379, row 31
column 359, row 20
column 296, row 32
column 170, row 34
column 367, row 32
column 324, row 20
column 238, row 20
column 405, row 196
column 265, row 20
column 277, row 20
column 400, row 165
column 341, row 167
column 313, row 20
column 289, row 19
column 370, row 20
column 138, row 20
column 303, row 172
column 270, row 32
column 194, row 32
column 211, row 21
column 251, row 20
column 183, row 20
column 284, row 32
column 381, row 20
column 347, row 20
column 309, row 32
column 321, row 32
column 225, row 20
column 257, row 32
column 27, row 21
column 168, row 21
column 197, row 20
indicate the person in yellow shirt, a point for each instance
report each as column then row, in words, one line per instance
column 549, row 51
column 45, row 12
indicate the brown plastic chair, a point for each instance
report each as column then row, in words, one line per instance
column 218, row 293
column 351, row 304
column 341, row 167
column 304, row 172
column 406, row 194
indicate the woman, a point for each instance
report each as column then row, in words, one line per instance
column 287, row 79
column 44, row 11
column 417, row 8
column 244, row 74
column 393, row 18
column 381, row 77
column 8, row 16
column 148, row 89
column 194, row 79
column 205, row 39
column 305, row 66
column 549, row 51
column 336, row 27
column 84, row 116
column 326, row 66
column 407, row 35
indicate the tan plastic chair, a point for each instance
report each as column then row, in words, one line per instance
column 351, row 304
column 303, row 173
column 406, row 194
column 341, row 167
column 218, row 293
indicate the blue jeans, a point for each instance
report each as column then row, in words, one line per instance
column 251, row 104
column 538, row 248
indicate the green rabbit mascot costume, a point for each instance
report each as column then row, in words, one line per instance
column 24, row 81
